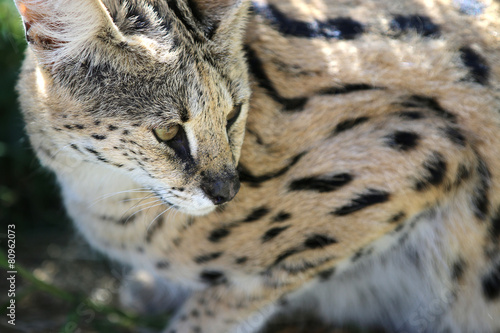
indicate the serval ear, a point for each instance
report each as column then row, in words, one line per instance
column 219, row 17
column 62, row 30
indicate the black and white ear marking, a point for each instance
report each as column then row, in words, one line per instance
column 57, row 30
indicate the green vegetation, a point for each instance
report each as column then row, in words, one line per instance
column 28, row 196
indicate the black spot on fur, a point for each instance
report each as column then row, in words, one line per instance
column 281, row 217
column 479, row 69
column 217, row 234
column 495, row 226
column 338, row 28
column 162, row 264
column 458, row 269
column 207, row 257
column 455, row 135
column 247, row 177
column 347, row 89
column 411, row 115
column 480, row 199
column 399, row 228
column 397, row 218
column 257, row 214
column 320, row 184
column 491, row 284
column 318, row 241
column 285, row 255
column 75, row 147
column 273, row 232
column 112, row 127
column 97, row 154
column 79, row 126
column 463, row 173
column 357, row 255
column 213, row 277
column 422, row 25
column 403, row 140
column 257, row 69
column 419, row 101
column 241, row 260
column 348, row 124
column 341, row 28
column 435, row 171
column 369, row 198
column 68, row 127
column 156, row 226
column 326, row 274
column 98, row 136
column 127, row 219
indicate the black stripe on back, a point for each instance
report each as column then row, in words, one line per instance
column 246, row 176
column 321, row 184
column 480, row 198
column 349, row 88
column 255, row 66
column 273, row 232
column 479, row 69
column 207, row 257
column 420, row 24
column 369, row 198
column 419, row 101
column 348, row 124
column 337, row 28
column 435, row 171
column 491, row 284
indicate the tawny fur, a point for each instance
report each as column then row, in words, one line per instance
column 370, row 167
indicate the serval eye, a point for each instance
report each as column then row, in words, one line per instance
column 233, row 115
column 163, row 134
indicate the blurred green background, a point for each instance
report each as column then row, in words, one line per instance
column 28, row 195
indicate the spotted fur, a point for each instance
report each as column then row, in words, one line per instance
column 369, row 170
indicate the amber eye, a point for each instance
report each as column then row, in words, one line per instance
column 233, row 115
column 163, row 134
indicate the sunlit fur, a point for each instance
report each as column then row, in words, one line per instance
column 91, row 93
column 370, row 167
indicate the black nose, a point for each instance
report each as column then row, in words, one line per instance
column 220, row 189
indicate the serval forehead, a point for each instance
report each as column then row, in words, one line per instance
column 155, row 95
